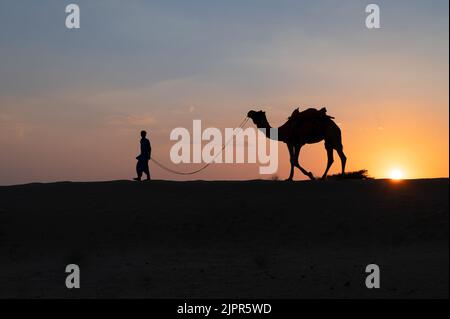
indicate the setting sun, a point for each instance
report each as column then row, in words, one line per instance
column 396, row 174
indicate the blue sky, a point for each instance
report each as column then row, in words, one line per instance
column 136, row 43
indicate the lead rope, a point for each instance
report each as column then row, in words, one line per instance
column 241, row 126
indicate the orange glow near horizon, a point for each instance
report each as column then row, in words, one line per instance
column 396, row 174
column 406, row 146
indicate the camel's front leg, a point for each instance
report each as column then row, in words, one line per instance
column 329, row 162
column 291, row 160
column 296, row 163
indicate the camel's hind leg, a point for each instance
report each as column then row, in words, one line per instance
column 330, row 160
column 333, row 138
column 343, row 158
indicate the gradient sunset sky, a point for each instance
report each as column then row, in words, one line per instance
column 72, row 102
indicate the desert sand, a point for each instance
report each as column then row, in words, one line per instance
column 243, row 239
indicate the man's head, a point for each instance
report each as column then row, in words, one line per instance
column 143, row 134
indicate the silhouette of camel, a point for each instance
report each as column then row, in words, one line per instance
column 306, row 127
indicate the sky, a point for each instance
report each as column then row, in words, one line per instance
column 72, row 102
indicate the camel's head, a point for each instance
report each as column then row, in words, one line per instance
column 258, row 117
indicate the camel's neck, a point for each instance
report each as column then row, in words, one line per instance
column 263, row 123
column 265, row 127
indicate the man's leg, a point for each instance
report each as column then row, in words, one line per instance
column 138, row 171
column 147, row 170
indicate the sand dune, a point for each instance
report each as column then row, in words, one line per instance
column 257, row 239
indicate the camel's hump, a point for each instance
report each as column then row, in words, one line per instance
column 310, row 113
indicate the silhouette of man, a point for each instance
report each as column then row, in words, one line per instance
column 143, row 158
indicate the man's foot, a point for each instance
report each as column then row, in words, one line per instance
column 137, row 179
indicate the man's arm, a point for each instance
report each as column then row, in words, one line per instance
column 149, row 150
